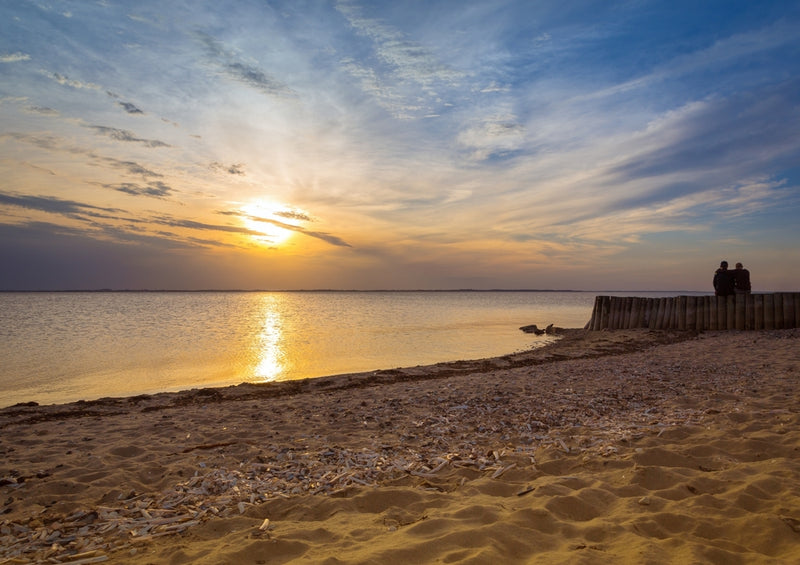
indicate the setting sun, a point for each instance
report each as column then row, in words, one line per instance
column 275, row 221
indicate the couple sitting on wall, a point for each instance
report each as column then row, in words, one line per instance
column 731, row 282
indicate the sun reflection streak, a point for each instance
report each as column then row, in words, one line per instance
column 271, row 352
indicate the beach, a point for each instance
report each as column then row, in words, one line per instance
column 626, row 446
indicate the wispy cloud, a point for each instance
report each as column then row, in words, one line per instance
column 401, row 68
column 42, row 110
column 124, row 135
column 244, row 72
column 130, row 167
column 130, row 108
column 332, row 239
column 67, row 81
column 52, row 205
column 154, row 189
column 59, row 145
column 14, row 57
column 234, row 169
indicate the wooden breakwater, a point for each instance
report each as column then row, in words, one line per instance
column 776, row 311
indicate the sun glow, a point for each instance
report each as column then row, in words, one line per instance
column 275, row 221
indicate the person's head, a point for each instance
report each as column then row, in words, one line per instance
column 739, row 266
column 723, row 265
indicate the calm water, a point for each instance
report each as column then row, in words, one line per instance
column 62, row 347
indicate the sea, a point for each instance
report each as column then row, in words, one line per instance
column 58, row 347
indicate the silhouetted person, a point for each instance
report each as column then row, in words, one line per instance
column 741, row 279
column 723, row 280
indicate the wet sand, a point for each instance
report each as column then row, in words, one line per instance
column 605, row 447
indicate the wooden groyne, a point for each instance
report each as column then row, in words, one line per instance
column 776, row 311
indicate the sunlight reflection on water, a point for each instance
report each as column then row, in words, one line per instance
column 270, row 344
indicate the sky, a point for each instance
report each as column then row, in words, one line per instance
column 252, row 144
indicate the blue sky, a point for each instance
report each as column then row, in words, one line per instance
column 253, row 144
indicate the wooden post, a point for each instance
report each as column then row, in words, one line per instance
column 739, row 314
column 788, row 311
column 660, row 314
column 749, row 317
column 713, row 311
column 667, row 313
column 638, row 309
column 643, row 312
column 730, row 304
column 673, row 313
column 722, row 313
column 605, row 312
column 653, row 314
column 613, row 314
column 691, row 312
column 593, row 319
column 769, row 312
column 646, row 313
column 700, row 312
column 598, row 323
column 777, row 299
column 625, row 318
column 680, row 306
column 634, row 321
column 758, row 311
column 634, row 312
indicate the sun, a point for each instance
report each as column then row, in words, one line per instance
column 269, row 218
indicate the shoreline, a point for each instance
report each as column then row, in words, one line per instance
column 584, row 450
column 570, row 343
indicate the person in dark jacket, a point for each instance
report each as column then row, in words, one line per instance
column 723, row 280
column 741, row 279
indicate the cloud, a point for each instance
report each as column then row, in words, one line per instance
column 240, row 71
column 42, row 110
column 292, row 215
column 235, row 169
column 493, row 137
column 408, row 78
column 66, row 81
column 724, row 53
column 131, row 167
column 124, row 135
column 332, row 239
column 14, row 57
column 409, row 60
column 42, row 141
column 52, row 143
column 192, row 224
column 130, row 108
column 47, row 256
column 51, row 205
column 731, row 138
column 155, row 189
column 119, row 224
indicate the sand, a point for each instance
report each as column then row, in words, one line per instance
column 605, row 447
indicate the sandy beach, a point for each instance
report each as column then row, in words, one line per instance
column 605, row 447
